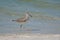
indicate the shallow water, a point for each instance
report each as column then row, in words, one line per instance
column 45, row 20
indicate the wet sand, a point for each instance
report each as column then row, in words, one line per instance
column 30, row 37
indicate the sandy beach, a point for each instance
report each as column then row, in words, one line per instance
column 30, row 37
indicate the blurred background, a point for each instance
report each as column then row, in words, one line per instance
column 45, row 20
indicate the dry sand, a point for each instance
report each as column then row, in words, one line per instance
column 30, row 37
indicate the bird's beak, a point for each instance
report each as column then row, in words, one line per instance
column 30, row 15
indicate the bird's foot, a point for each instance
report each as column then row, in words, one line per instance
column 20, row 26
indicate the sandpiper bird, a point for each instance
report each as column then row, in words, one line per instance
column 23, row 19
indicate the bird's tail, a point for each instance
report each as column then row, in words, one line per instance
column 13, row 20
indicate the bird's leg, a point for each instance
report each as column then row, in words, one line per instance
column 21, row 26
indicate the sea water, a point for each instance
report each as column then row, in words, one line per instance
column 45, row 20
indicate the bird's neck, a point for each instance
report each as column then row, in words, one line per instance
column 26, row 16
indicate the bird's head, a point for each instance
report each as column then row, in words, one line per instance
column 28, row 14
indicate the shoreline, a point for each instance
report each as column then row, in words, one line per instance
column 30, row 37
column 22, row 35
